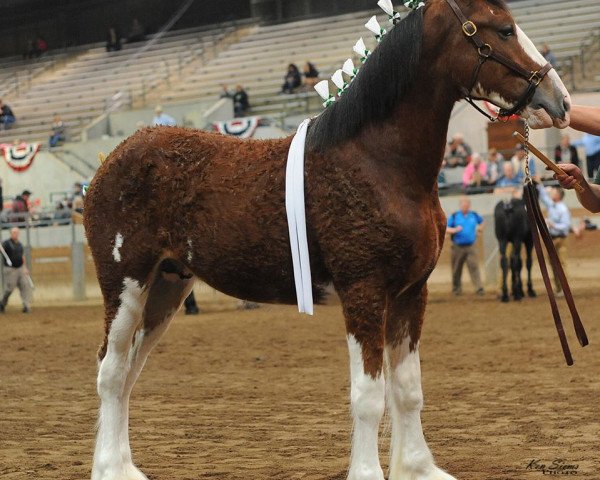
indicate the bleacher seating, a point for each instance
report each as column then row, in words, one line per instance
column 84, row 87
column 259, row 60
column 81, row 89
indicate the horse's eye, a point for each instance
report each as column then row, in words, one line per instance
column 507, row 31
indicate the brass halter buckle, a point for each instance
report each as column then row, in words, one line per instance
column 485, row 50
column 469, row 28
column 535, row 78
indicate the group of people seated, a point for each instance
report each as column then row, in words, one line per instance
column 137, row 33
column 496, row 171
column 292, row 79
column 35, row 48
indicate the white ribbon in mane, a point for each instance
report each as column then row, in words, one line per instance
column 296, row 216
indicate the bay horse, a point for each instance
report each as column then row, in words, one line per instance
column 512, row 226
column 170, row 205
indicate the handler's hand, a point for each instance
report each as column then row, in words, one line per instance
column 572, row 175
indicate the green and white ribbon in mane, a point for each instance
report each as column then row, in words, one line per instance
column 362, row 51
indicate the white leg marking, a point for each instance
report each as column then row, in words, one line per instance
column 112, row 456
column 117, row 248
column 411, row 458
column 367, row 398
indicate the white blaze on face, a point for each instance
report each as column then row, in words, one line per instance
column 540, row 118
column 117, row 248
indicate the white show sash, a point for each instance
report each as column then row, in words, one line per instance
column 296, row 216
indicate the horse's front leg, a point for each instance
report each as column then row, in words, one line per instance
column 364, row 311
column 504, row 265
column 411, row 458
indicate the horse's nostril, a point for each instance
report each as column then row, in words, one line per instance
column 566, row 105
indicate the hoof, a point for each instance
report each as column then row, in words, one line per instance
column 433, row 474
column 505, row 299
column 126, row 472
column 531, row 293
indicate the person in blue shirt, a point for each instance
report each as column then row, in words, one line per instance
column 161, row 118
column 463, row 227
column 509, row 178
column 559, row 225
column 591, row 144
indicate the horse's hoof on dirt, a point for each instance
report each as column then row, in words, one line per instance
column 531, row 294
column 504, row 299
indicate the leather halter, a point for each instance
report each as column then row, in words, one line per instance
column 486, row 52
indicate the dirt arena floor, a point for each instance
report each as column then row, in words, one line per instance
column 263, row 394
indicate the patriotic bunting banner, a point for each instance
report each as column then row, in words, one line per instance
column 238, row 127
column 19, row 157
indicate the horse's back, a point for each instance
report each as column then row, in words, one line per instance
column 214, row 203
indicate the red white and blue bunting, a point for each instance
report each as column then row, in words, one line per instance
column 238, row 127
column 19, row 157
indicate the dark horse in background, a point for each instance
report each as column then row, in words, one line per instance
column 170, row 205
column 512, row 227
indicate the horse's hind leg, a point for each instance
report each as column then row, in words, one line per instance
column 411, row 458
column 516, row 265
column 529, row 264
column 143, row 326
column 112, row 460
column 364, row 310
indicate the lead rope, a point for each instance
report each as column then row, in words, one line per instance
column 541, row 233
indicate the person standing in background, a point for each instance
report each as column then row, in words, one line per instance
column 16, row 274
column 591, row 144
column 559, row 225
column 565, row 152
column 463, row 227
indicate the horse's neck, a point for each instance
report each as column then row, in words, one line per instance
column 413, row 139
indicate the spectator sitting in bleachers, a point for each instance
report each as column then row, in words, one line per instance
column 518, row 161
column 61, row 211
column 494, row 166
column 136, row 33
column 240, row 101
column 311, row 75
column 549, row 55
column 41, row 46
column 508, row 178
column 20, row 207
column 475, row 172
column 565, row 152
column 32, row 50
column 58, row 131
column 292, row 79
column 7, row 117
column 113, row 40
column 458, row 153
column 161, row 118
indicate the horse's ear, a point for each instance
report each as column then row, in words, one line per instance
column 101, row 157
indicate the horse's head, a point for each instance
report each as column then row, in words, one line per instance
column 490, row 58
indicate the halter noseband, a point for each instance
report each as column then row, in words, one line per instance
column 486, row 52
